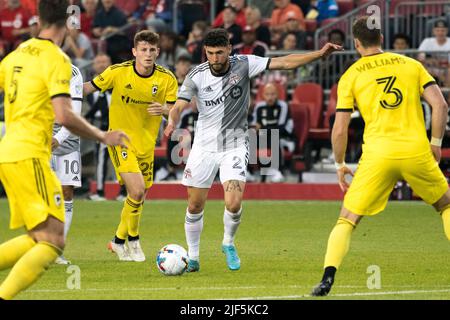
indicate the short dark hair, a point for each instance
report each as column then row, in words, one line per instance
column 147, row 36
column 217, row 38
column 53, row 12
column 402, row 36
column 338, row 32
column 184, row 58
column 367, row 36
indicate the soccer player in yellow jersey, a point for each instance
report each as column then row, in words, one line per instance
column 142, row 92
column 35, row 78
column 387, row 88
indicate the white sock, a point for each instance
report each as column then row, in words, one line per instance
column 193, row 227
column 231, row 222
column 68, row 209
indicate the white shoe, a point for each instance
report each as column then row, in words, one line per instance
column 250, row 177
column 121, row 250
column 96, row 197
column 121, row 197
column 275, row 176
column 161, row 174
column 62, row 260
column 135, row 250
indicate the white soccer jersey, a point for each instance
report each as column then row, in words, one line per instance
column 69, row 142
column 222, row 101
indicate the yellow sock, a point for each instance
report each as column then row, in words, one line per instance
column 339, row 242
column 134, row 218
column 28, row 269
column 446, row 220
column 122, row 229
column 12, row 250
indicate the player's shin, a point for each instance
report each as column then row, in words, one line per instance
column 134, row 219
column 193, row 227
column 129, row 206
column 28, row 269
column 339, row 242
column 68, row 210
column 231, row 222
column 12, row 250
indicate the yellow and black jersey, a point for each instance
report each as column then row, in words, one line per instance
column 37, row 71
column 386, row 88
column 131, row 95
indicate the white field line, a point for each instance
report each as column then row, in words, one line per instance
column 371, row 293
column 355, row 294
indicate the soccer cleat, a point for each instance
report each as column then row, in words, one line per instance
column 135, row 250
column 121, row 250
column 193, row 266
column 233, row 261
column 96, row 197
column 323, row 288
column 61, row 260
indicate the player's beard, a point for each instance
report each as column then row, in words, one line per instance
column 222, row 67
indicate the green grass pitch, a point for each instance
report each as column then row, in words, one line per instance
column 281, row 246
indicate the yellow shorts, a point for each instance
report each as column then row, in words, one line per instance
column 126, row 161
column 376, row 177
column 33, row 191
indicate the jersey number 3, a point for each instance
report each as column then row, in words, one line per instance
column 388, row 89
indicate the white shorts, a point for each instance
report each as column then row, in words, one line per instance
column 201, row 167
column 68, row 168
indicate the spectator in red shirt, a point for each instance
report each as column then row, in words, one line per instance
column 283, row 11
column 239, row 6
column 14, row 24
column 249, row 44
column 87, row 17
column 127, row 6
column 30, row 6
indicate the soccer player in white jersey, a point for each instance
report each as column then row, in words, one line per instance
column 222, row 88
column 66, row 158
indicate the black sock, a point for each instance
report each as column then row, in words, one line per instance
column 328, row 274
column 130, row 238
column 118, row 240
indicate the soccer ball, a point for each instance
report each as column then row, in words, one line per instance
column 172, row 260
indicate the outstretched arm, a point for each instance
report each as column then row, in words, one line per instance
column 174, row 116
column 296, row 60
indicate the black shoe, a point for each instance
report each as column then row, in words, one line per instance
column 323, row 288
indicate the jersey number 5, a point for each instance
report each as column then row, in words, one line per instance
column 388, row 89
column 12, row 94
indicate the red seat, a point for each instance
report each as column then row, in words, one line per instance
column 345, row 6
column 301, row 158
column 311, row 25
column 282, row 95
column 433, row 9
column 402, row 10
column 310, row 95
column 331, row 108
column 328, row 21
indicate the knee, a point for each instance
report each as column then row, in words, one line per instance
column 233, row 206
column 55, row 240
column 68, row 195
column 195, row 207
column 137, row 194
